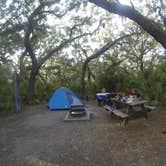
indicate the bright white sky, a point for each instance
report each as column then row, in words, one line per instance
column 125, row 2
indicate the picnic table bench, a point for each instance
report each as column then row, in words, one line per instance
column 132, row 109
column 149, row 108
column 119, row 113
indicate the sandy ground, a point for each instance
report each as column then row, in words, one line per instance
column 39, row 137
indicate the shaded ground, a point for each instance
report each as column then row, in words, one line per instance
column 38, row 137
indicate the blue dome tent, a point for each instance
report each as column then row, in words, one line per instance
column 63, row 98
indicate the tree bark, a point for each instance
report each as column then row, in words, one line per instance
column 150, row 26
column 32, row 82
column 83, row 83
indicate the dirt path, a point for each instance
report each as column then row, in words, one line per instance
column 38, row 137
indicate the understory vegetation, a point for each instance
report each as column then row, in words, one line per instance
column 45, row 45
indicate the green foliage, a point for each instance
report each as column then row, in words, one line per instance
column 43, row 92
column 151, row 83
column 7, row 101
column 133, row 62
column 7, row 98
column 91, row 90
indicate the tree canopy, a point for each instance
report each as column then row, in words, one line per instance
column 85, row 45
column 149, row 25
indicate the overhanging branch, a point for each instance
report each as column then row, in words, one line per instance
column 58, row 48
column 150, row 26
column 106, row 47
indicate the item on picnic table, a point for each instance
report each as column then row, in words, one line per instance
column 134, row 92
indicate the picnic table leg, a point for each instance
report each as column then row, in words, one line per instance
column 144, row 111
column 125, row 122
column 99, row 102
column 146, row 115
column 128, row 108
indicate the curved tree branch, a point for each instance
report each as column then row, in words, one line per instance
column 65, row 43
column 150, row 26
column 58, row 48
column 30, row 29
column 98, row 53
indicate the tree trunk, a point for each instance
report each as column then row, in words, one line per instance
column 141, row 65
column 83, row 84
column 21, row 65
column 31, row 88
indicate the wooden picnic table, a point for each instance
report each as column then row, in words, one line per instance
column 125, row 110
column 135, row 107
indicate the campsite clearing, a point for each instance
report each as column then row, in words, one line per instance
column 39, row 137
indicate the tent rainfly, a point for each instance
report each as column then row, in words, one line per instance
column 63, row 98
